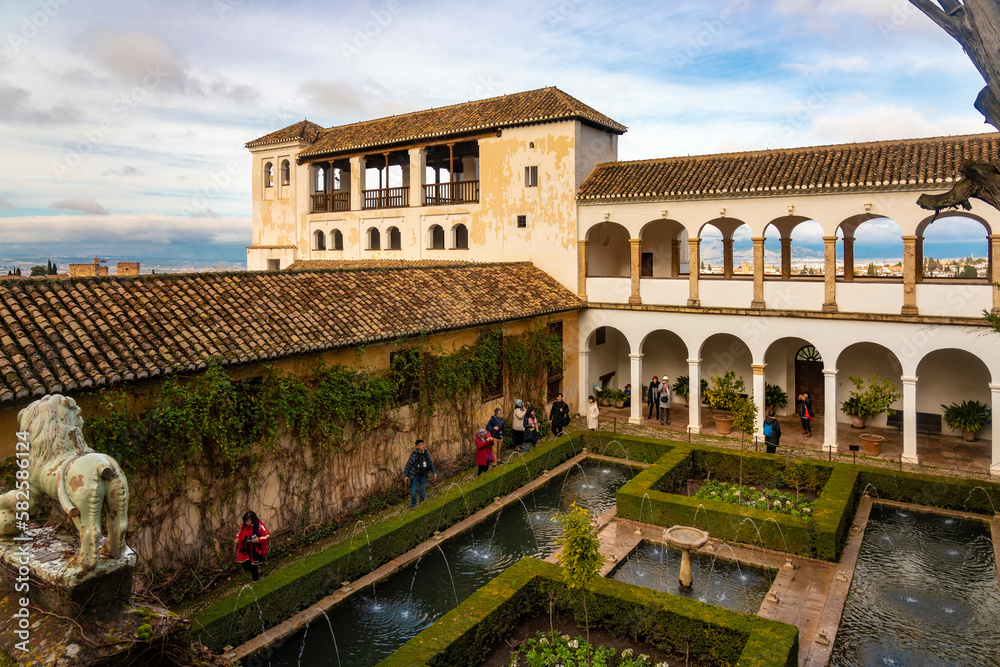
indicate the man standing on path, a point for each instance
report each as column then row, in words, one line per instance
column 559, row 416
column 416, row 471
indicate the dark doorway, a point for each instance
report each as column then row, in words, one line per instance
column 809, row 376
column 647, row 265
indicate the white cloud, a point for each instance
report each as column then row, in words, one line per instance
column 121, row 228
column 81, row 204
column 6, row 204
column 886, row 122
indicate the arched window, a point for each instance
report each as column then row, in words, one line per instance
column 319, row 240
column 461, row 237
column 286, row 172
column 268, row 175
column 320, row 184
column 338, row 239
column 436, row 237
column 374, row 239
column 395, row 239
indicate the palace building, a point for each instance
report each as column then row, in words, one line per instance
column 535, row 177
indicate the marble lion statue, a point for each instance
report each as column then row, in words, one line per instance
column 64, row 467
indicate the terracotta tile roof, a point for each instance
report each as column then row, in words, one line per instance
column 67, row 335
column 533, row 106
column 303, row 130
column 312, row 264
column 883, row 165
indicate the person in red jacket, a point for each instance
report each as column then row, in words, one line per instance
column 484, row 451
column 251, row 544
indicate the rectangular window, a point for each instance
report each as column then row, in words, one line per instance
column 555, row 374
column 405, row 366
column 522, row 221
column 492, row 388
column 531, row 177
column 273, row 264
column 600, row 336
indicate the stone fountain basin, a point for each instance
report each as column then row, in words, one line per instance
column 685, row 537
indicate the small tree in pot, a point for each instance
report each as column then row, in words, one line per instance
column 871, row 401
column 722, row 397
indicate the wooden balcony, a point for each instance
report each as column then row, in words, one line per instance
column 337, row 201
column 457, row 192
column 386, row 198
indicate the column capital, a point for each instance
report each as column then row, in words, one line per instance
column 908, row 379
column 993, row 237
column 635, row 357
column 635, row 241
column 830, row 372
column 694, row 362
column 694, row 240
column 583, row 353
column 758, row 369
column 830, row 239
column 909, row 238
column 727, row 241
column 786, row 240
column 580, row 242
column 758, row 239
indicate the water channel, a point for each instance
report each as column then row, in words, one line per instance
column 924, row 592
column 373, row 623
column 735, row 586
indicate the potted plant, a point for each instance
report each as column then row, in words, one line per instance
column 682, row 388
column 618, row 397
column 852, row 408
column 774, row 396
column 722, row 397
column 970, row 417
column 873, row 400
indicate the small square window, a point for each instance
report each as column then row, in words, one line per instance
column 522, row 221
column 531, row 177
column 274, row 265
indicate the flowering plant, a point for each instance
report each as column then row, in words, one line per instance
column 770, row 500
column 546, row 650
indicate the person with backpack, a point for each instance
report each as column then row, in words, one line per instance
column 416, row 471
column 665, row 399
column 772, row 432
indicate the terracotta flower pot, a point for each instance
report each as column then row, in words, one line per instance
column 857, row 422
column 969, row 436
column 871, row 443
column 723, row 425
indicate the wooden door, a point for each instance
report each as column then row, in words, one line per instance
column 809, row 377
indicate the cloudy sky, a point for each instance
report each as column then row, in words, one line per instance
column 123, row 123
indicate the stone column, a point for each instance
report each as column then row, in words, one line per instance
column 758, row 273
column 909, row 275
column 848, row 258
column 584, row 388
column 995, row 270
column 759, row 396
column 635, row 360
column 995, row 426
column 358, row 166
column 727, row 258
column 416, row 172
column 694, row 395
column 786, row 258
column 909, row 419
column 694, row 268
column 634, row 270
column 582, row 267
column 675, row 258
column 830, row 410
column 830, row 273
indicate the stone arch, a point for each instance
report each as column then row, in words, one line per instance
column 722, row 240
column 608, row 361
column 721, row 352
column 319, row 240
column 374, row 239
column 608, row 251
column 460, row 237
column 395, row 239
column 938, row 384
column 790, row 366
column 792, row 235
column 435, row 237
column 878, row 234
column 338, row 240
column 664, row 353
column 286, row 172
column 663, row 251
column 268, row 174
column 946, row 224
column 865, row 359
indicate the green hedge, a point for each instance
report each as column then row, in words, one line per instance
column 833, row 512
column 466, row 635
column 643, row 450
column 948, row 492
column 234, row 617
column 650, row 498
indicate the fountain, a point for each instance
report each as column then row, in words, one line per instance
column 685, row 538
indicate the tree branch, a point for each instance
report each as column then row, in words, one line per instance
column 951, row 24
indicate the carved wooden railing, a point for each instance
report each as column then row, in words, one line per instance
column 337, row 201
column 386, row 198
column 456, row 192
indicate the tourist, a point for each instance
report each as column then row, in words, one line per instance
column 530, row 429
column 665, row 398
column 805, row 409
column 517, row 424
column 592, row 412
column 484, row 451
column 628, row 396
column 559, row 416
column 653, row 397
column 251, row 544
column 496, row 426
column 416, row 471
column 772, row 432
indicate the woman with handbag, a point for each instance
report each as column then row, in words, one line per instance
column 805, row 405
column 484, row 451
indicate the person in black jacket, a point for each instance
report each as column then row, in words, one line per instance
column 416, row 471
column 772, row 432
column 653, row 397
column 559, row 416
column 804, row 406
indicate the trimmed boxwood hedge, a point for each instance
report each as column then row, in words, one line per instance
column 235, row 617
column 467, row 634
column 948, row 492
